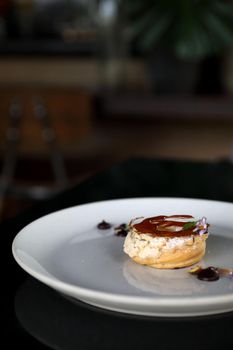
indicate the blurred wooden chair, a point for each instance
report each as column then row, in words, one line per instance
column 11, row 155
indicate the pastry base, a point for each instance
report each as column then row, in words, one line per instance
column 176, row 258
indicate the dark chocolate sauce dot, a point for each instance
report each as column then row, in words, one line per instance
column 103, row 225
column 209, row 274
column 121, row 230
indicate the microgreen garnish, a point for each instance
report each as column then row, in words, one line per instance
column 189, row 225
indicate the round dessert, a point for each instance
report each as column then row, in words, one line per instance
column 167, row 242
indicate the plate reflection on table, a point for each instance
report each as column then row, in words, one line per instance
column 61, row 323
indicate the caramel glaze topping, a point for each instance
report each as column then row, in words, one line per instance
column 158, row 226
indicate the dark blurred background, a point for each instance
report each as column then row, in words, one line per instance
column 86, row 84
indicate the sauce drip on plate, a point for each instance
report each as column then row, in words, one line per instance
column 208, row 274
column 103, row 225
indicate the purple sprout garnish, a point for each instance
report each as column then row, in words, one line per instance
column 201, row 226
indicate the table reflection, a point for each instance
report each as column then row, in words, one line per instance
column 61, row 323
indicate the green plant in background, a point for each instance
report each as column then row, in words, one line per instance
column 190, row 29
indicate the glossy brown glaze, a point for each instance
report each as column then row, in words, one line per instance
column 158, row 226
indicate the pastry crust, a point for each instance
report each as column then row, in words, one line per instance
column 175, row 258
column 167, row 252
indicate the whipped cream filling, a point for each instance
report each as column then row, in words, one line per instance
column 146, row 246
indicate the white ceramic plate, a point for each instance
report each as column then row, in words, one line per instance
column 66, row 251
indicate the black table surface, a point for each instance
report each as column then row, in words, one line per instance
column 37, row 317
